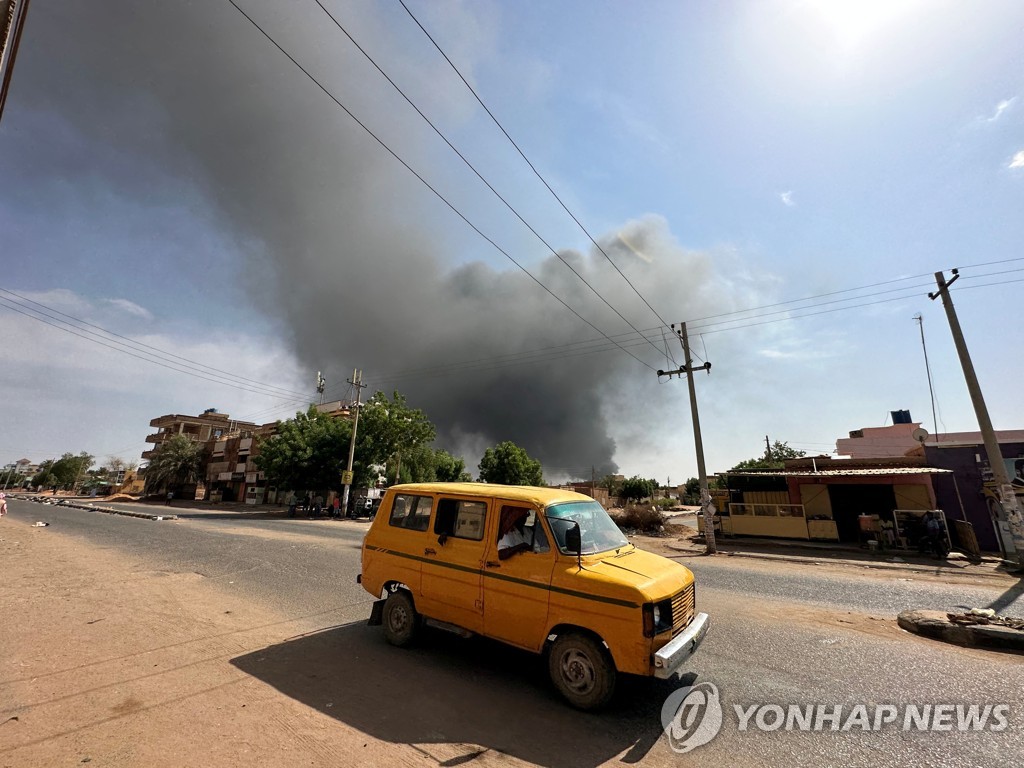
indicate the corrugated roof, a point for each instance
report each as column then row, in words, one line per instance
column 845, row 472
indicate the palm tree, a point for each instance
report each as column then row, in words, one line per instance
column 178, row 461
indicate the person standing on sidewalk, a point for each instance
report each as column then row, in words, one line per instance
column 3, row 504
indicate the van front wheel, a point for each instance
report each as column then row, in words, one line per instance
column 582, row 670
column 399, row 619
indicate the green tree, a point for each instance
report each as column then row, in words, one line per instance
column 508, row 464
column 307, row 452
column 775, row 459
column 691, row 491
column 612, row 485
column 636, row 488
column 44, row 478
column 178, row 461
column 65, row 472
column 389, row 430
column 450, row 469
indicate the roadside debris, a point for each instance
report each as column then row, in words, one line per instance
column 39, row 524
column 1001, row 633
column 985, row 617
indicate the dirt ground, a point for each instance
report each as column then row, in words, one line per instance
column 106, row 663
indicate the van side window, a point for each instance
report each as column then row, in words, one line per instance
column 518, row 528
column 412, row 512
column 461, row 519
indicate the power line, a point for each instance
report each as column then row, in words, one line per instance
column 533, row 168
column 9, row 304
column 190, row 363
column 473, row 168
column 595, row 346
column 423, row 181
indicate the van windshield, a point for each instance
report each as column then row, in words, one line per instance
column 597, row 531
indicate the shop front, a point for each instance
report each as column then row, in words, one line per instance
column 852, row 505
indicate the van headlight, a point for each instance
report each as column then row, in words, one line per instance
column 657, row 617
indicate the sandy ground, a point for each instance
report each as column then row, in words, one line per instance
column 107, row 663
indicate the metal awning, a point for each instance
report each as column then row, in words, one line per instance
column 880, row 471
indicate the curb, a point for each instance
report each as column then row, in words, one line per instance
column 107, row 510
column 805, row 560
column 937, row 626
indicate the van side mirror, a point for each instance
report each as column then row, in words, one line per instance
column 574, row 539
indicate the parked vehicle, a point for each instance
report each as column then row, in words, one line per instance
column 538, row 568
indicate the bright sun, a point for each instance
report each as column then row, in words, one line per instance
column 850, row 22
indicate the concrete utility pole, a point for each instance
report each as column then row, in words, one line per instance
column 1010, row 517
column 707, row 508
column 357, row 384
column 12, row 23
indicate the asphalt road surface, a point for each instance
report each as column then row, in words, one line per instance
column 781, row 635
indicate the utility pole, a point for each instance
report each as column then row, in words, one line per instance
column 357, row 384
column 1010, row 512
column 767, row 448
column 707, row 508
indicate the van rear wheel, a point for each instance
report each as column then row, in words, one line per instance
column 400, row 619
column 582, row 670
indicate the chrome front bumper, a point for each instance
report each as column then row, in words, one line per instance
column 669, row 659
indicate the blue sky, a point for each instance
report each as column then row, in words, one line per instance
column 172, row 177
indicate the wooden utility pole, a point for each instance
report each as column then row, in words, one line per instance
column 707, row 508
column 767, row 448
column 1013, row 544
column 357, row 384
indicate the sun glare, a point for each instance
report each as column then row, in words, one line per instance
column 851, row 23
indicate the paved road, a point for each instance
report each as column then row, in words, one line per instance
column 780, row 634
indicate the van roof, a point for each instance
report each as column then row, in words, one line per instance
column 539, row 496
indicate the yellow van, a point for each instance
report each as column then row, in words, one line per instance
column 539, row 568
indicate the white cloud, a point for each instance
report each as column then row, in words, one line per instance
column 1001, row 107
column 130, row 307
column 1017, row 161
column 787, row 198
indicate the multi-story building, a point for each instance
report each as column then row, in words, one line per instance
column 229, row 472
column 208, row 426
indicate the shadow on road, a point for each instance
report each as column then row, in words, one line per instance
column 1008, row 598
column 450, row 690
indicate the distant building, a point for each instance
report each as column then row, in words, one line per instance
column 203, row 428
column 229, row 472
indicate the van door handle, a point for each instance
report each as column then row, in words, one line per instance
column 429, row 551
column 492, row 564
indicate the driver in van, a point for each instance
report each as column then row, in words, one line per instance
column 512, row 535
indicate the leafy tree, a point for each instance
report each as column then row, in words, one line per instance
column 508, row 464
column 449, row 469
column 307, row 452
column 389, row 431
column 178, row 461
column 636, row 488
column 775, row 459
column 611, row 484
column 692, row 490
column 44, row 478
column 64, row 472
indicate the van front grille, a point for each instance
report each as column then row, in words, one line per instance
column 682, row 609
